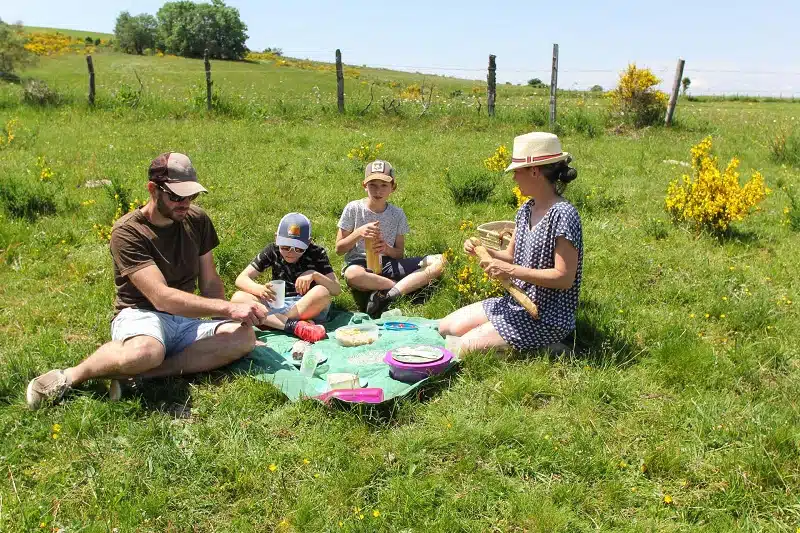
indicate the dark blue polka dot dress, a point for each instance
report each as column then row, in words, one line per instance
column 535, row 248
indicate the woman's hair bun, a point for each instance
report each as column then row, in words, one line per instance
column 568, row 174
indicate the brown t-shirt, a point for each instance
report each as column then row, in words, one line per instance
column 174, row 249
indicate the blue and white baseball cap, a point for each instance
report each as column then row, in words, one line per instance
column 294, row 230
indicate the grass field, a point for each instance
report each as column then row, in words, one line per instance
column 678, row 412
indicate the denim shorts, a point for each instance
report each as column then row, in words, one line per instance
column 174, row 332
column 290, row 301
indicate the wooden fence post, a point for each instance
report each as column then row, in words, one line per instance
column 207, row 64
column 91, row 79
column 339, row 81
column 673, row 98
column 491, row 90
column 553, row 87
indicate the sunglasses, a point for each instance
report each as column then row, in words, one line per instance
column 175, row 198
column 294, row 249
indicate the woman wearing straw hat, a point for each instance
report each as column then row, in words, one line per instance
column 544, row 258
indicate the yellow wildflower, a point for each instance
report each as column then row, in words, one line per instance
column 273, row 467
column 667, row 499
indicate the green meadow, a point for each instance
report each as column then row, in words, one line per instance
column 677, row 411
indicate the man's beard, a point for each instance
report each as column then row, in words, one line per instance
column 166, row 212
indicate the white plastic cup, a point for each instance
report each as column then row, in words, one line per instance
column 279, row 287
column 309, row 363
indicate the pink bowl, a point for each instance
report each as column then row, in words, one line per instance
column 411, row 373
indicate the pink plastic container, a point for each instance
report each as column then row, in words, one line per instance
column 368, row 395
column 411, row 373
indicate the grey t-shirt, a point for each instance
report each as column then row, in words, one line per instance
column 393, row 222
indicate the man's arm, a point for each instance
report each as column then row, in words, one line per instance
column 209, row 281
column 151, row 283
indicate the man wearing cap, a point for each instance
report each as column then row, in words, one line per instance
column 162, row 253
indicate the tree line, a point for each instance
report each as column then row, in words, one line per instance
column 185, row 29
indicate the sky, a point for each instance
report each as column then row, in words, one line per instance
column 730, row 47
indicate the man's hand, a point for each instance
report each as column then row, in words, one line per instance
column 249, row 314
column 303, row 282
column 498, row 269
column 370, row 231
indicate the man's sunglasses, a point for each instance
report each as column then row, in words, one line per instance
column 175, row 198
column 294, row 249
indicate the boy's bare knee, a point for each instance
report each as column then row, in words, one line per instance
column 353, row 273
column 242, row 297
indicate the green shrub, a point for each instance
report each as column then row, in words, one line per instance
column 791, row 213
column 656, row 228
column 219, row 102
column 539, row 116
column 127, row 96
column 582, row 122
column 36, row 92
column 27, row 200
column 470, row 184
column 785, row 147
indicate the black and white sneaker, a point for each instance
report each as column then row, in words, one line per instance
column 378, row 303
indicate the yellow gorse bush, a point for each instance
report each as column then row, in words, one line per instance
column 636, row 99
column 347, row 72
column 521, row 199
column 45, row 172
column 365, row 153
column 498, row 161
column 466, row 276
column 7, row 134
column 104, row 230
column 49, row 43
column 412, row 92
column 711, row 198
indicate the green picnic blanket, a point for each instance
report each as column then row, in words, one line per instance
column 273, row 362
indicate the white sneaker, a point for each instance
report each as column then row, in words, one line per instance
column 50, row 386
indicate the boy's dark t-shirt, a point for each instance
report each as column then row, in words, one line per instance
column 314, row 258
column 174, row 249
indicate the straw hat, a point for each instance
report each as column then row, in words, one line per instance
column 534, row 149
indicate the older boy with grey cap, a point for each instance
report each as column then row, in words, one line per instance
column 162, row 253
column 308, row 276
column 375, row 218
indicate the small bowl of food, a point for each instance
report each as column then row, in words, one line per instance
column 356, row 334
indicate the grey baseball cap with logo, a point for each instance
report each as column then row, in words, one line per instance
column 294, row 229
column 379, row 170
column 176, row 173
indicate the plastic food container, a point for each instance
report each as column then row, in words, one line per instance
column 413, row 372
column 356, row 334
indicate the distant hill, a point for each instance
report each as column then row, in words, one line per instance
column 81, row 34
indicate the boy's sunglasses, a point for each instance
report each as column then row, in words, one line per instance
column 175, row 198
column 294, row 249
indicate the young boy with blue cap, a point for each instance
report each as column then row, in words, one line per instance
column 308, row 275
